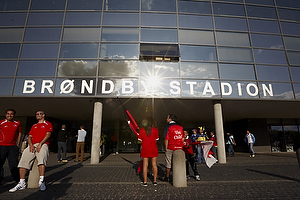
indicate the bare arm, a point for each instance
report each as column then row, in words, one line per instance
column 29, row 140
column 19, row 139
column 166, row 144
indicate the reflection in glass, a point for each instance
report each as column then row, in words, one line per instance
column 48, row 5
column 37, row 68
column 194, row 7
column 196, row 37
column 81, row 34
column 7, row 68
column 75, row 87
column 195, row 21
column 39, row 51
column 200, row 53
column 119, row 51
column 122, row 5
column 241, row 89
column 261, row 12
column 269, row 56
column 121, row 19
column 84, row 50
column 158, row 5
column 159, row 35
column 6, row 85
column 200, row 88
column 84, row 5
column 229, row 23
column 288, row 14
column 228, row 9
column 125, row 68
column 272, row 73
column 294, row 58
column 292, row 43
column 9, row 50
column 276, row 91
column 117, row 87
column 9, row 5
column 77, row 68
column 83, row 18
column 159, row 69
column 238, row 1
column 163, row 20
column 231, row 54
column 260, row 26
column 264, row 2
column 297, row 90
column 199, row 70
column 237, row 72
column 295, row 71
column 11, row 34
column 233, row 39
column 288, row 3
column 290, row 28
column 120, row 34
column 156, row 87
column 267, row 41
column 34, row 87
column 42, row 34
column 12, row 19
column 45, row 19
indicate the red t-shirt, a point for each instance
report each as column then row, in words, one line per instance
column 213, row 138
column 9, row 132
column 39, row 130
column 149, row 145
column 174, row 136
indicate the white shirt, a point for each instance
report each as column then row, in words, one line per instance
column 249, row 138
column 81, row 135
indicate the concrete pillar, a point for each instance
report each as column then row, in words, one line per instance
column 96, row 137
column 220, row 132
column 34, row 176
column 179, row 169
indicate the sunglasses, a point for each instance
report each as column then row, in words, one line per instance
column 39, row 113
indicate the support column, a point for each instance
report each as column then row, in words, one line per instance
column 220, row 132
column 96, row 137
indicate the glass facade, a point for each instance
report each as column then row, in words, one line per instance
column 226, row 49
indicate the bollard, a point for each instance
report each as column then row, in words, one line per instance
column 179, row 169
column 34, row 176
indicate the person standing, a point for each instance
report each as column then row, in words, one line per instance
column 250, row 140
column 214, row 146
column 10, row 137
column 230, row 142
column 80, row 143
column 62, row 144
column 196, row 148
column 38, row 143
column 202, row 137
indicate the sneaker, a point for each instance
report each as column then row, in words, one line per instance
column 155, row 183
column 166, row 179
column 145, row 184
column 253, row 156
column 65, row 161
column 42, row 186
column 197, row 178
column 187, row 177
column 19, row 186
column 59, row 161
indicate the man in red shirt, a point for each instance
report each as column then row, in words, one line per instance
column 38, row 142
column 10, row 137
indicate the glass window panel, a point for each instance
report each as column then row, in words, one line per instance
column 199, row 70
column 83, row 18
column 234, row 54
column 290, row 28
column 119, row 51
column 37, row 68
column 288, row 3
column 237, row 72
column 159, row 35
column 122, row 5
column 267, row 41
column 19, row 89
column 118, row 89
column 121, row 19
column 9, row 5
column 42, row 34
column 77, row 68
column 9, row 50
column 81, row 34
column 45, row 19
column 260, row 26
column 62, row 87
column 120, row 34
column 11, row 34
column 294, row 58
column 238, row 1
column 84, row 5
column 165, row 20
column 261, row 12
column 200, row 53
column 126, row 68
column 292, row 43
column 159, row 69
column 287, row 14
column 6, row 85
column 262, row 2
column 295, row 71
column 12, row 19
column 85, row 50
column 151, row 51
column 297, row 90
column 8, row 68
column 277, row 90
column 196, row 37
column 228, row 9
column 269, row 56
column 194, row 7
column 233, row 39
column 195, row 21
column 272, row 73
column 158, row 5
column 48, row 5
column 40, row 51
column 199, row 88
column 234, row 24
column 241, row 89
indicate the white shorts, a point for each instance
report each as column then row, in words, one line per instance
column 28, row 157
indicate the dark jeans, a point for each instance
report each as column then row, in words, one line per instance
column 62, row 148
column 230, row 149
column 190, row 159
column 12, row 155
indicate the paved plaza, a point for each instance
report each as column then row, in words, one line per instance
column 267, row 176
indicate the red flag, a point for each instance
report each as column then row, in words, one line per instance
column 132, row 124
